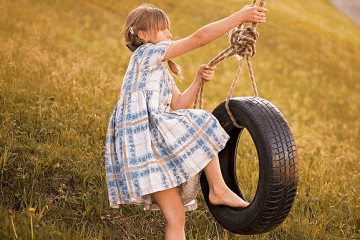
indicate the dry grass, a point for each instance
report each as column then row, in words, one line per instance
column 62, row 64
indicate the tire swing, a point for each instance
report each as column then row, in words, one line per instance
column 274, row 142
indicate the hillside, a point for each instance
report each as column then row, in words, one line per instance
column 62, row 64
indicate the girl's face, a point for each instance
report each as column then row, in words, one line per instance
column 161, row 35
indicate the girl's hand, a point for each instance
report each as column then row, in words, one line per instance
column 206, row 73
column 184, row 100
column 252, row 14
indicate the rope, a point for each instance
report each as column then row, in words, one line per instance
column 242, row 45
column 230, row 94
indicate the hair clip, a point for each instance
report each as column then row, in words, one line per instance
column 131, row 30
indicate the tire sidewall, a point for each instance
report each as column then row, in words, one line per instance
column 248, row 114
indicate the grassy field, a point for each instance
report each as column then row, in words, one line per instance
column 62, row 64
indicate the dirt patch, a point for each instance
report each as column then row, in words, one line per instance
column 351, row 8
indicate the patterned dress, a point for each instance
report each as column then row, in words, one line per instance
column 150, row 148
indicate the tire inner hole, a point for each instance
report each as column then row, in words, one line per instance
column 247, row 166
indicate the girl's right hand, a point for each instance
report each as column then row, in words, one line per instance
column 252, row 14
column 206, row 73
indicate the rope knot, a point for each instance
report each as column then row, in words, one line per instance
column 242, row 45
column 243, row 41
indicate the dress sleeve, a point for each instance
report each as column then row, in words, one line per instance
column 154, row 55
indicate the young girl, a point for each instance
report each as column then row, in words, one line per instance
column 153, row 154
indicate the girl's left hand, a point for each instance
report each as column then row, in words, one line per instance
column 206, row 72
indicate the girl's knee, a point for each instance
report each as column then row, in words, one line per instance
column 177, row 218
column 171, row 206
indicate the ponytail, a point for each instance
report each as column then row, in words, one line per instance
column 175, row 68
column 132, row 40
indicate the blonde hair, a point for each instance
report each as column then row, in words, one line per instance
column 146, row 18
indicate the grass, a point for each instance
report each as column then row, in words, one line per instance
column 62, row 64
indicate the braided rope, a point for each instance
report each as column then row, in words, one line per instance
column 230, row 94
column 252, row 77
column 242, row 44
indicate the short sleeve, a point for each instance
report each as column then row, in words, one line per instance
column 154, row 54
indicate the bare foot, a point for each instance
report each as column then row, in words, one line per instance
column 228, row 198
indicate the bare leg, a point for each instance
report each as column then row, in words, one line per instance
column 174, row 212
column 220, row 194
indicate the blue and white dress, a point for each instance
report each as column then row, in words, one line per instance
column 150, row 148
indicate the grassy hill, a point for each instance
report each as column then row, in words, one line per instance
column 62, row 64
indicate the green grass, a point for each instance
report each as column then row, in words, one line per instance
column 62, row 64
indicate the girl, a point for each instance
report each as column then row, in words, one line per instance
column 154, row 155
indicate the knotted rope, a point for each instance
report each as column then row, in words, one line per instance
column 242, row 45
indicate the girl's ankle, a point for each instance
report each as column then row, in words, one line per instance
column 219, row 190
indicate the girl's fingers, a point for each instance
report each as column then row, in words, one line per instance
column 213, row 68
column 209, row 72
column 260, row 14
column 207, row 76
column 206, row 72
column 261, row 19
column 261, row 9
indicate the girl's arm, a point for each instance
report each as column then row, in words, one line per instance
column 185, row 99
column 214, row 30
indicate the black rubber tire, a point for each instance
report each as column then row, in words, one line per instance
column 278, row 166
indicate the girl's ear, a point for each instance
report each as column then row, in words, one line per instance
column 144, row 36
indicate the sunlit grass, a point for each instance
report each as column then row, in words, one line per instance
column 62, row 64
column 247, row 166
